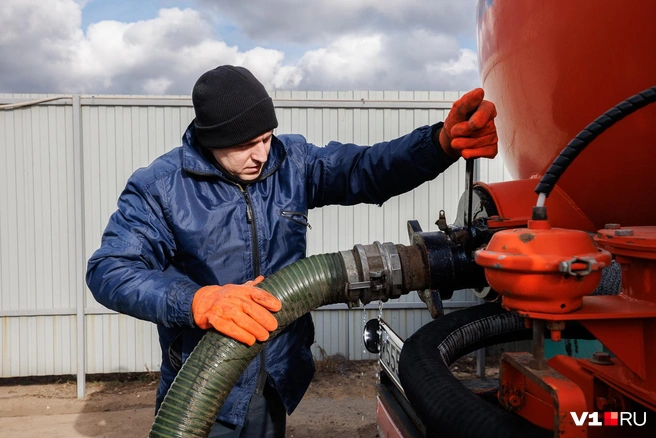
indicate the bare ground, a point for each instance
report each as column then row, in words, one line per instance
column 341, row 402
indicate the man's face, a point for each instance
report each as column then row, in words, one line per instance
column 246, row 160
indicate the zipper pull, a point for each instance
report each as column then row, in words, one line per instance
column 249, row 213
column 249, row 210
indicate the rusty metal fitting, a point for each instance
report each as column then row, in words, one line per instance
column 601, row 358
column 515, row 401
column 538, row 364
column 376, row 272
column 512, row 399
column 556, row 328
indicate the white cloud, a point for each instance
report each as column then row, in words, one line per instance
column 156, row 86
column 384, row 62
column 459, row 74
column 348, row 63
column 143, row 53
column 35, row 46
column 323, row 20
column 366, row 44
column 464, row 64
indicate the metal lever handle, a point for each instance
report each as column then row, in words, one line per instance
column 469, row 190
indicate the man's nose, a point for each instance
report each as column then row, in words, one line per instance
column 259, row 152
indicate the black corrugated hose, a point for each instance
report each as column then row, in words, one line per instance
column 213, row 368
column 443, row 403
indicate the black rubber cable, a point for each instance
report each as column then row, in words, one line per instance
column 592, row 131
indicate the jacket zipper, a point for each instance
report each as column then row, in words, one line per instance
column 250, row 219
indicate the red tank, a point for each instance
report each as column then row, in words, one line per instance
column 551, row 68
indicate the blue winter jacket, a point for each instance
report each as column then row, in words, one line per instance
column 181, row 224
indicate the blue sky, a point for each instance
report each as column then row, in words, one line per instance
column 162, row 46
column 121, row 10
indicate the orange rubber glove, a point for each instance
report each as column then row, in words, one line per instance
column 469, row 129
column 241, row 312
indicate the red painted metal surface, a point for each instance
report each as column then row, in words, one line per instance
column 551, row 68
column 599, row 397
column 386, row 421
column 543, row 269
column 514, row 200
column 632, row 372
column 544, row 397
column 625, row 324
column 635, row 248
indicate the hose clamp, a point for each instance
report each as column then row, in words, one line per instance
column 374, row 273
column 392, row 263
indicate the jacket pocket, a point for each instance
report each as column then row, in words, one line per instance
column 297, row 217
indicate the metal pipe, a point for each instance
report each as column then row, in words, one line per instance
column 538, row 362
column 80, row 296
column 35, row 102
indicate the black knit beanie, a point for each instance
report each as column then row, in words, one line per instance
column 231, row 107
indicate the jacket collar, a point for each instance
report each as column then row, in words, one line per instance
column 193, row 160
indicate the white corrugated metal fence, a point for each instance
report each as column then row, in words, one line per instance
column 64, row 163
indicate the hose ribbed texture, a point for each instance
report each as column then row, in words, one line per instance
column 214, row 367
column 441, row 401
column 592, row 131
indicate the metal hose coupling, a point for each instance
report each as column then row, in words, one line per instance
column 380, row 271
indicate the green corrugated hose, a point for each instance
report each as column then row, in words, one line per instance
column 213, row 368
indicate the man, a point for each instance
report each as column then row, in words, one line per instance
column 195, row 228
